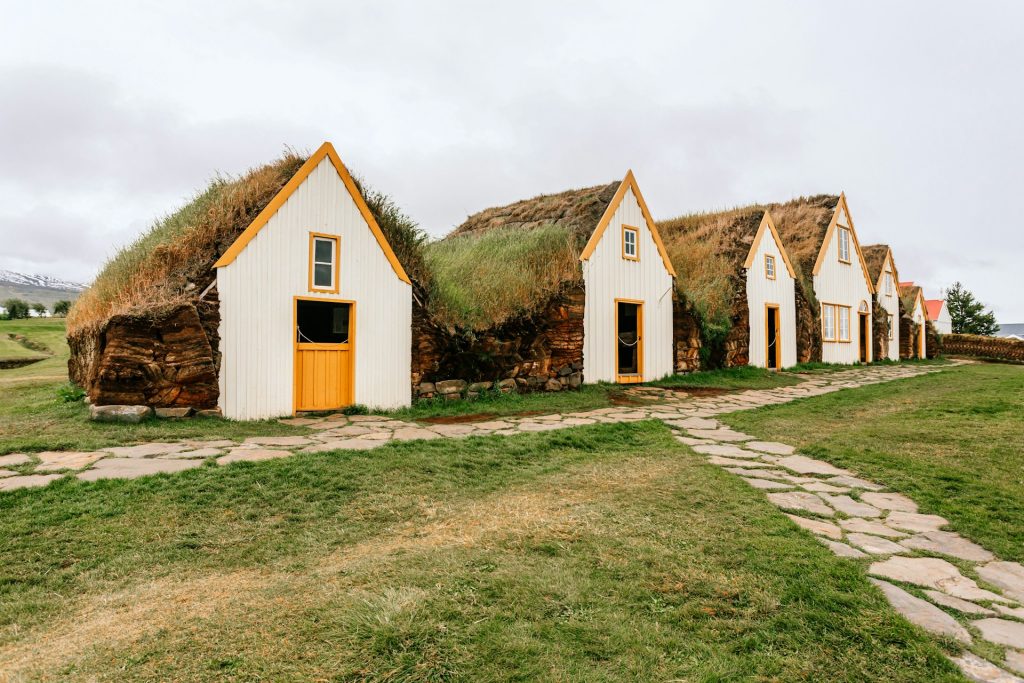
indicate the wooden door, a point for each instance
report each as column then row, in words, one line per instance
column 629, row 341
column 864, row 337
column 324, row 334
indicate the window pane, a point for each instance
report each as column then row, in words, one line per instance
column 323, row 251
column 322, row 275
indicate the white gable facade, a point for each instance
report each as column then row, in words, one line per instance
column 612, row 273
column 887, row 293
column 770, row 285
column 262, row 286
column 844, row 295
column 943, row 323
column 919, row 317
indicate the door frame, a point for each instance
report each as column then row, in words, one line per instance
column 639, row 376
column 864, row 338
column 920, row 341
column 768, row 310
column 351, row 346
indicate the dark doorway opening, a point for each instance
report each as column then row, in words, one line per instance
column 321, row 322
column 863, row 338
column 628, row 338
column 773, row 337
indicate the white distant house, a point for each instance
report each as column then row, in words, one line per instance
column 882, row 267
column 913, row 303
column 938, row 313
column 316, row 309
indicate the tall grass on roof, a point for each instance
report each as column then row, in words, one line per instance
column 483, row 279
column 175, row 257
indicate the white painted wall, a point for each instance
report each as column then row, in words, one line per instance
column 780, row 292
column 607, row 277
column 943, row 324
column 256, row 303
column 918, row 316
column 889, row 300
column 843, row 284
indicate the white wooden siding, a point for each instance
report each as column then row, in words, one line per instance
column 891, row 304
column 778, row 292
column 943, row 324
column 257, row 293
column 918, row 316
column 843, row 284
column 607, row 277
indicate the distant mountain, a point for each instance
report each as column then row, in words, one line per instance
column 37, row 289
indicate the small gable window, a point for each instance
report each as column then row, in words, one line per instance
column 629, row 245
column 323, row 263
column 769, row 266
column 888, row 284
column 844, row 245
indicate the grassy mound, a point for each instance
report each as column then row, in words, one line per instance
column 482, row 279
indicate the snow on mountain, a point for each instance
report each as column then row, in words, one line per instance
column 44, row 281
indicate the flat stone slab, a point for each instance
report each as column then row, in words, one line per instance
column 1007, row 576
column 801, row 464
column 949, row 543
column 453, row 430
column 864, row 526
column 822, row 487
column 413, row 433
column 766, row 484
column 851, row 507
column 146, row 450
column 251, row 455
column 538, row 426
column 492, row 424
column 841, row 549
column 965, row 606
column 818, row 527
column 208, row 443
column 736, row 462
column 279, row 440
column 976, row 669
column 343, row 445
column 889, row 501
column 1015, row 660
column 690, row 441
column 931, row 572
column 197, row 453
column 349, row 430
column 1015, row 612
column 876, row 545
column 1001, row 631
column 773, row 447
column 922, row 613
column 722, row 434
column 695, row 423
column 855, row 483
column 132, row 468
column 27, row 481
column 52, row 461
column 8, row 473
column 801, row 500
column 14, row 459
column 726, row 450
column 911, row 521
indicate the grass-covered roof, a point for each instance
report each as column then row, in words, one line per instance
column 874, row 259
column 508, row 261
column 172, row 262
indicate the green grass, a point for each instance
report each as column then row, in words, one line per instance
column 13, row 350
column 496, row 404
column 45, row 333
column 606, row 553
column 952, row 441
column 741, row 378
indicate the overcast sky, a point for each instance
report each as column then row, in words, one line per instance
column 111, row 114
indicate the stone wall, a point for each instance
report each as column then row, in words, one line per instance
column 165, row 358
column 808, row 327
column 984, row 347
column 880, row 332
column 933, row 341
column 736, row 348
column 540, row 352
column 685, row 335
column 908, row 338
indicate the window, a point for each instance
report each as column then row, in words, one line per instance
column 888, row 284
column 769, row 266
column 844, row 245
column 323, row 263
column 629, row 245
column 835, row 323
column 828, row 322
column 843, row 313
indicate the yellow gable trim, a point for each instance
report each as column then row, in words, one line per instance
column 892, row 266
column 843, row 207
column 768, row 225
column 326, row 150
column 628, row 183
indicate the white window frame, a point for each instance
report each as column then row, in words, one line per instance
column 843, row 337
column 888, row 284
column 828, row 322
column 769, row 266
column 332, row 286
column 630, row 230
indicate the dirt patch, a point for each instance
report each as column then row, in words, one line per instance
column 12, row 363
column 118, row 619
column 623, row 400
column 700, row 391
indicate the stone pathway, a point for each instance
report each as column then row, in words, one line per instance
column 855, row 518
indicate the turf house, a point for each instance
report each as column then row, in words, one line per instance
column 272, row 293
column 915, row 323
column 887, row 307
column 834, row 316
column 737, row 274
column 546, row 293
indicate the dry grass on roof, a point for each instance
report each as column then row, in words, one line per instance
column 874, row 259
column 802, row 224
column 579, row 211
column 173, row 261
column 482, row 279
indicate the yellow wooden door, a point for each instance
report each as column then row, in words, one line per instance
column 323, row 376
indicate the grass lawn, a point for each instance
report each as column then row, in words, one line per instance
column 953, row 441
column 608, row 552
column 12, row 350
column 741, row 378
